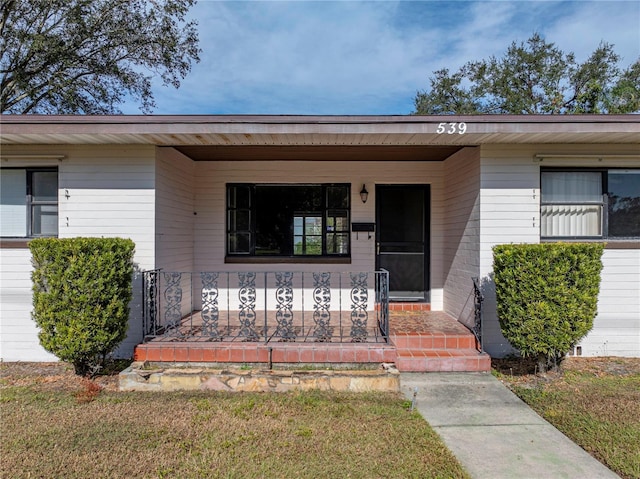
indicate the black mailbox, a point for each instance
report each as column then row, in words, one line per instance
column 367, row 227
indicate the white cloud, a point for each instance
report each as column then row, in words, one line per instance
column 615, row 22
column 368, row 57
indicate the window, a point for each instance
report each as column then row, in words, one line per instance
column 28, row 202
column 590, row 203
column 288, row 220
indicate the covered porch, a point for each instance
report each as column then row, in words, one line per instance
column 297, row 319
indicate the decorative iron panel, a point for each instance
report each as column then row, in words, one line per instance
column 477, row 311
column 247, row 314
column 359, row 300
column 321, row 304
column 173, row 303
column 382, row 302
column 284, row 306
column 150, row 301
column 210, row 310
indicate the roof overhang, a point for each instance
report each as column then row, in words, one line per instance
column 192, row 133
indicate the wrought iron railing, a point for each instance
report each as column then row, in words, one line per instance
column 266, row 306
column 150, row 300
column 477, row 310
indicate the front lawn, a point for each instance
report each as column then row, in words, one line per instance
column 54, row 425
column 594, row 401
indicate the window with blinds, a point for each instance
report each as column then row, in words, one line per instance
column 590, row 204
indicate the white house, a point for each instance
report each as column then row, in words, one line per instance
column 268, row 193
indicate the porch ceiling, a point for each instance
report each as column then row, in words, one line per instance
column 311, row 131
column 320, row 152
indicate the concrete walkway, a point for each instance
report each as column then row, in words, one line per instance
column 493, row 433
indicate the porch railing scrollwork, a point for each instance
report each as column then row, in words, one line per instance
column 150, row 301
column 382, row 300
column 359, row 300
column 322, row 306
column 210, row 309
column 284, row 306
column 247, row 315
column 477, row 311
column 266, row 306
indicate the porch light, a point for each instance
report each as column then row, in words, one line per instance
column 364, row 194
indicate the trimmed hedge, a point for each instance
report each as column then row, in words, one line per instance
column 81, row 295
column 547, row 296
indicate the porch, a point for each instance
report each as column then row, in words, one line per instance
column 287, row 319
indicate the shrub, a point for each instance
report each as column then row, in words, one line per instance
column 81, row 295
column 547, row 296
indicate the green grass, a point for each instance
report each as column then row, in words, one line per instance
column 595, row 407
column 50, row 433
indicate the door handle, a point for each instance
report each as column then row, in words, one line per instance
column 377, row 247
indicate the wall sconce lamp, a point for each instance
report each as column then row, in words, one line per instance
column 364, row 194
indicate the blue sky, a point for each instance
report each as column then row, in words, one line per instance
column 350, row 57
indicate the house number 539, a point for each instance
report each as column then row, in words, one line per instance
column 452, row 128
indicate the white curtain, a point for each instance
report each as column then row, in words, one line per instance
column 13, row 203
column 571, row 219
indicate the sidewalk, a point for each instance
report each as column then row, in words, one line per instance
column 493, row 433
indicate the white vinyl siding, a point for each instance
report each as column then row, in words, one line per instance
column 616, row 330
column 18, row 332
column 461, row 232
column 103, row 191
column 175, row 217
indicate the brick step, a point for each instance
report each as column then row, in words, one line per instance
column 433, row 341
column 442, row 360
column 247, row 352
column 409, row 306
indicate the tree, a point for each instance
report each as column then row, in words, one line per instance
column 88, row 56
column 535, row 78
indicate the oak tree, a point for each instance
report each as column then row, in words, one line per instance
column 535, row 77
column 89, row 56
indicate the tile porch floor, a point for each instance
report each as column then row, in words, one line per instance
column 420, row 340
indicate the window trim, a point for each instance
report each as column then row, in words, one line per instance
column 31, row 203
column 604, row 172
column 252, row 257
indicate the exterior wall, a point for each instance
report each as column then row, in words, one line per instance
column 461, row 225
column 175, row 216
column 616, row 329
column 18, row 332
column 174, row 210
column 510, row 212
column 211, row 178
column 98, row 187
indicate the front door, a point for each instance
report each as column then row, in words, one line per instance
column 402, row 239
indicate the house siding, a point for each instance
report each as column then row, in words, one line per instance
column 18, row 332
column 461, row 232
column 616, row 330
column 96, row 190
column 175, row 217
column 510, row 211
